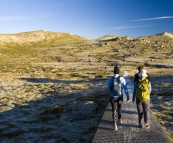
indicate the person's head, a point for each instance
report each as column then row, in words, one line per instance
column 143, row 74
column 116, row 69
column 140, row 68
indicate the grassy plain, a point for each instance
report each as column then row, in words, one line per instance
column 47, row 77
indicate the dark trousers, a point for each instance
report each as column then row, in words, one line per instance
column 116, row 105
column 143, row 110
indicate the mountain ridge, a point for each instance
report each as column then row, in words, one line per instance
column 41, row 38
column 168, row 34
column 36, row 36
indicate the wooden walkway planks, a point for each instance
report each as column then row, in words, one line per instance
column 128, row 131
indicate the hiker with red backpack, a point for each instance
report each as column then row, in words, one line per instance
column 116, row 84
column 141, row 92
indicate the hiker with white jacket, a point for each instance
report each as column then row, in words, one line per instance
column 141, row 93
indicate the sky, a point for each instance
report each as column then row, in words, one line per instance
column 88, row 18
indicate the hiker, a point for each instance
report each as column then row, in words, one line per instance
column 141, row 93
column 136, row 77
column 116, row 84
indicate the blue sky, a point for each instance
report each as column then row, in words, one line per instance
column 88, row 18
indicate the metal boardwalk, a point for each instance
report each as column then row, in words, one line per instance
column 128, row 130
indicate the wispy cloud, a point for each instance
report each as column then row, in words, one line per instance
column 154, row 18
column 26, row 17
column 127, row 27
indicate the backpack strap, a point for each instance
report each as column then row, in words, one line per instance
column 118, row 79
column 112, row 86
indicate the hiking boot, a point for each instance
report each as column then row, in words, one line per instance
column 140, row 126
column 147, row 126
column 115, row 127
column 119, row 121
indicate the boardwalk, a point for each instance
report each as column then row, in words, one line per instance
column 128, row 131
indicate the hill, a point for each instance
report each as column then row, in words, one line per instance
column 48, row 80
column 39, row 46
column 39, row 38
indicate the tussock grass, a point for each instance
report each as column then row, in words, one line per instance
column 57, row 65
column 53, row 110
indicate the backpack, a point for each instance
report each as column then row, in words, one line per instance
column 142, row 92
column 117, row 86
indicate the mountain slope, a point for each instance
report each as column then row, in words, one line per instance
column 44, row 37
